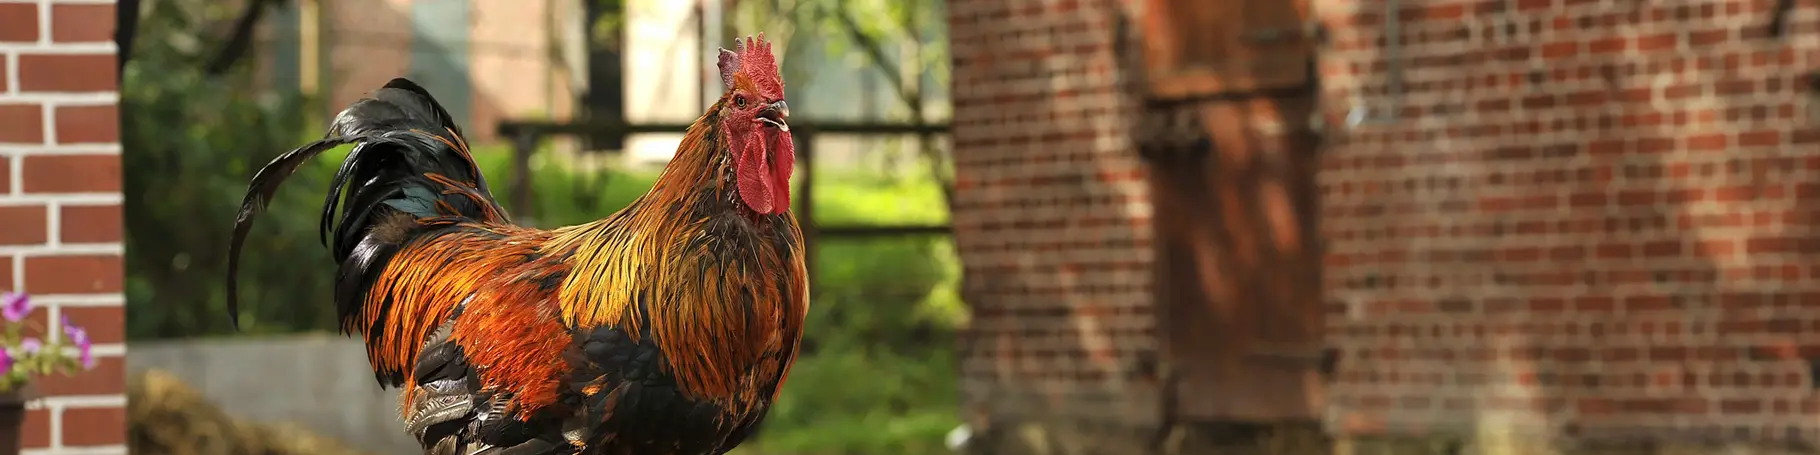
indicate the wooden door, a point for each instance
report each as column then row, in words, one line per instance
column 1232, row 178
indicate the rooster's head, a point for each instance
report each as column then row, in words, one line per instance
column 756, row 123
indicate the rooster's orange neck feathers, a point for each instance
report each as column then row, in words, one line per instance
column 714, row 285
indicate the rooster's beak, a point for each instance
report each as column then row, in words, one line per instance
column 777, row 114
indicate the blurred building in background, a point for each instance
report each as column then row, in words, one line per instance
column 486, row 61
column 1453, row 220
column 546, row 60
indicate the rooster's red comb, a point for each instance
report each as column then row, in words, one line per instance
column 753, row 59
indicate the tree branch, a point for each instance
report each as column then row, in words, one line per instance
column 910, row 96
column 126, row 20
column 241, row 40
column 873, row 50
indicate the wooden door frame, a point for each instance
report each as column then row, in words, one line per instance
column 1195, row 362
column 1244, row 65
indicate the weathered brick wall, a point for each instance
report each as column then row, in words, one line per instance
column 1588, row 216
column 60, row 225
column 1051, row 214
column 1594, row 216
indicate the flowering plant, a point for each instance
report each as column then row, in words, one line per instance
column 24, row 356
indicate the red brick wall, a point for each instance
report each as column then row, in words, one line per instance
column 1590, row 216
column 1594, row 216
column 1051, row 214
column 60, row 225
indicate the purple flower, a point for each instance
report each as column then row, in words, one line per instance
column 6, row 362
column 14, row 306
column 30, row 346
column 79, row 338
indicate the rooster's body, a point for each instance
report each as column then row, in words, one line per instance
column 665, row 328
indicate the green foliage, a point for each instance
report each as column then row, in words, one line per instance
column 884, row 311
column 609, row 23
column 562, row 196
column 891, row 22
column 877, row 375
column 192, row 142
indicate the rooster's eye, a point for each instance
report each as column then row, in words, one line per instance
column 739, row 100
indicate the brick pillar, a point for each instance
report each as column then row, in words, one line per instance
column 60, row 181
column 1051, row 215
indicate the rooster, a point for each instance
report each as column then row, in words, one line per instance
column 664, row 328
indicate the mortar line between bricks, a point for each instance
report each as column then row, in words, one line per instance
column 56, row 412
column 48, row 122
column 44, row 22
column 108, row 349
column 102, row 48
column 62, row 98
column 115, row 449
column 12, row 73
column 52, row 315
column 84, row 249
column 85, row 401
column 67, row 149
column 82, row 300
column 19, row 197
column 53, row 224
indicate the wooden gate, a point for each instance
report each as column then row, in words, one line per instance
column 1232, row 173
